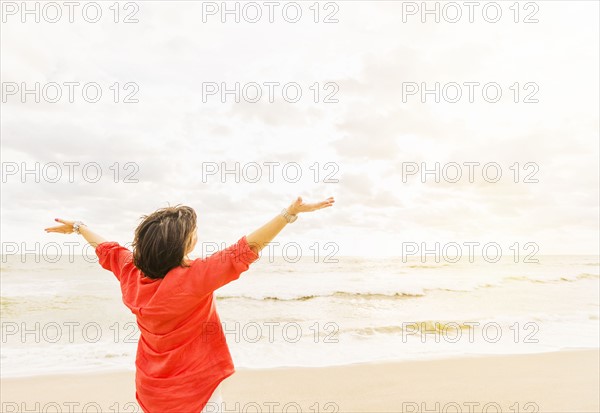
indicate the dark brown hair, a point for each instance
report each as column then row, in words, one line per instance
column 162, row 239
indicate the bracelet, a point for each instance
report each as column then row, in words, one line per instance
column 288, row 217
column 76, row 226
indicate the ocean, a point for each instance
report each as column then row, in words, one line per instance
column 68, row 316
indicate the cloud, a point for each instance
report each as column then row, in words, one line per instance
column 367, row 135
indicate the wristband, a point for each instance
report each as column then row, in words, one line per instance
column 288, row 217
column 76, row 226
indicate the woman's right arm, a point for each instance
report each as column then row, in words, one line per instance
column 265, row 234
column 67, row 228
column 111, row 255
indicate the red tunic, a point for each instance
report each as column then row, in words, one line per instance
column 182, row 354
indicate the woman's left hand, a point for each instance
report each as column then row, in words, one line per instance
column 299, row 206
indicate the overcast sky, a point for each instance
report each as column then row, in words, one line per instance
column 367, row 141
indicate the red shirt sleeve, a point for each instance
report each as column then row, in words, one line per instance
column 113, row 257
column 208, row 274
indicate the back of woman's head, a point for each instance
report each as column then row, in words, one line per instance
column 162, row 240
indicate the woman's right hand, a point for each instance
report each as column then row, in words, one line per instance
column 66, row 226
column 298, row 206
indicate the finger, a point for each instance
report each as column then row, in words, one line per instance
column 316, row 207
column 56, row 229
column 64, row 221
column 59, row 228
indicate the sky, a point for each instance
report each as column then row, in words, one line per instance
column 365, row 138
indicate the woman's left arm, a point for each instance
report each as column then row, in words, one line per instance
column 67, row 228
column 259, row 238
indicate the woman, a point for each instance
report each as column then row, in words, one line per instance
column 182, row 356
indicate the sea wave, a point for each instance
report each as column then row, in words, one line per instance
column 427, row 266
column 582, row 276
column 414, row 289
column 339, row 294
column 412, row 327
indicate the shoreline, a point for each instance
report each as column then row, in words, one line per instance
column 107, row 370
column 551, row 382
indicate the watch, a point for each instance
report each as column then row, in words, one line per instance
column 288, row 217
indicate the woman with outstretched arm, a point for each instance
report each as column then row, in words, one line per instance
column 182, row 355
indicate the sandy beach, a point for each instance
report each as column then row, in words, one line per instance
column 566, row 381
